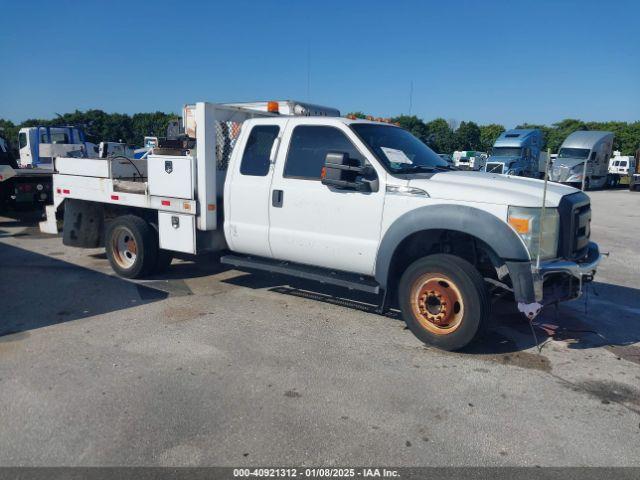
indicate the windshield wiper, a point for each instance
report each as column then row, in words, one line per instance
column 417, row 168
column 447, row 167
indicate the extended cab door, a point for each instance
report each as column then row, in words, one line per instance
column 315, row 224
column 248, row 187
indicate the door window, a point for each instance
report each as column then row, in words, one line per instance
column 257, row 153
column 309, row 146
column 59, row 138
column 22, row 139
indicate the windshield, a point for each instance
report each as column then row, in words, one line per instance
column 400, row 151
column 573, row 153
column 506, row 152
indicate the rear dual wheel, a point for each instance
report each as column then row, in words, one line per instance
column 444, row 301
column 132, row 248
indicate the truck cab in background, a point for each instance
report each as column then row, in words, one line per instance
column 583, row 159
column 27, row 180
column 517, row 152
column 620, row 167
column 39, row 145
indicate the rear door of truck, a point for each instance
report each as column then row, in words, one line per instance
column 248, row 190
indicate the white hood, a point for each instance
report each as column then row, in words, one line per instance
column 491, row 188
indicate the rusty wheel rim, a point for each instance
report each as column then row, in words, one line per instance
column 125, row 249
column 437, row 304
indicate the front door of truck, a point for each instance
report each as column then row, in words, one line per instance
column 315, row 224
column 247, row 192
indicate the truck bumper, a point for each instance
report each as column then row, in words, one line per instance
column 554, row 281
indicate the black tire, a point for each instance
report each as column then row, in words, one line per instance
column 127, row 229
column 459, row 284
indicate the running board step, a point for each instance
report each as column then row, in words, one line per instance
column 318, row 274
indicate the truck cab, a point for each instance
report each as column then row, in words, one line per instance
column 39, row 145
column 516, row 152
column 354, row 203
column 583, row 159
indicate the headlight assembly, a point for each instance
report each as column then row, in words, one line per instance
column 526, row 222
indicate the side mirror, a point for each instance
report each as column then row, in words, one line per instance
column 342, row 172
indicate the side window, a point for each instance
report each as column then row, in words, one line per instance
column 22, row 139
column 309, row 146
column 255, row 159
column 59, row 138
column 593, row 156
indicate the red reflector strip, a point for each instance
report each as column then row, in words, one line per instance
column 1, row 177
column 66, row 191
column 58, row 190
column 166, row 203
column 115, row 197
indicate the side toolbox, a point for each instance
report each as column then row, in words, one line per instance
column 177, row 232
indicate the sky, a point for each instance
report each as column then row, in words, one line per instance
column 487, row 61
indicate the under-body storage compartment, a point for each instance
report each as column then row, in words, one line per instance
column 177, row 232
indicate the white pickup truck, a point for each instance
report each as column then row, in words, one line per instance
column 360, row 204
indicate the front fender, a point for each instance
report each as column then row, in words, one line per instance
column 460, row 218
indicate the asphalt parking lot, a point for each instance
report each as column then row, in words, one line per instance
column 211, row 366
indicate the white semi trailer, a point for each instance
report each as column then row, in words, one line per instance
column 355, row 203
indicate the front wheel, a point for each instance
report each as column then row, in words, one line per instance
column 132, row 246
column 444, row 301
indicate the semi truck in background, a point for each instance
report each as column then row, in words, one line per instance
column 583, row 159
column 518, row 152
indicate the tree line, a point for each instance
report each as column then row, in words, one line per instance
column 441, row 135
column 446, row 136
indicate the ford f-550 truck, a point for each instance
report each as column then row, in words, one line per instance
column 355, row 203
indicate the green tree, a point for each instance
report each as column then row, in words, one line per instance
column 562, row 130
column 488, row 135
column 357, row 115
column 414, row 124
column 468, row 136
column 440, row 137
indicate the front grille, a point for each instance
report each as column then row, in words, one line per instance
column 560, row 173
column 575, row 226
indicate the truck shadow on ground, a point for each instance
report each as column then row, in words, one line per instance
column 38, row 291
column 612, row 318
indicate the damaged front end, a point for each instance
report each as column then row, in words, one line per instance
column 563, row 278
column 559, row 281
